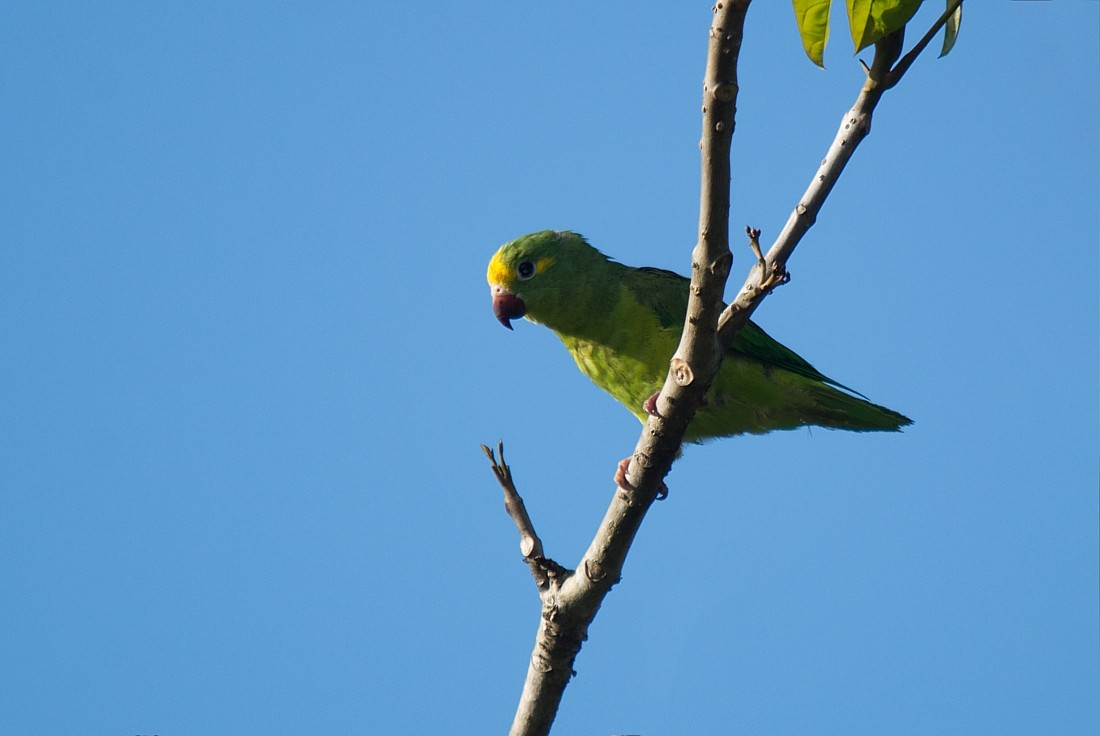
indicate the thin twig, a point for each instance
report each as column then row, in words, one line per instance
column 854, row 127
column 529, row 543
column 907, row 61
column 545, row 571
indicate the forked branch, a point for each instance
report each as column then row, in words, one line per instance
column 570, row 600
column 886, row 70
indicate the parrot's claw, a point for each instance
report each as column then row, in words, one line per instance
column 649, row 406
column 622, row 482
column 620, row 475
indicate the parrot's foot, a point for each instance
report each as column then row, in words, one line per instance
column 620, row 475
column 649, row 406
column 622, row 482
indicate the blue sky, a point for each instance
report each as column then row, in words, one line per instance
column 249, row 357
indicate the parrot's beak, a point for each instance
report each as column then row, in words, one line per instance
column 507, row 306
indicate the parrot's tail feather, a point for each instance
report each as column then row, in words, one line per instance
column 835, row 409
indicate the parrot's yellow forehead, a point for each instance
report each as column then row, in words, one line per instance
column 502, row 274
column 499, row 273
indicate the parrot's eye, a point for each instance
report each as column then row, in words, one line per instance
column 526, row 270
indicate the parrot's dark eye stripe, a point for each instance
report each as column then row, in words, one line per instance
column 526, row 270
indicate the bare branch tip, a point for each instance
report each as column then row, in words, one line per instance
column 754, row 245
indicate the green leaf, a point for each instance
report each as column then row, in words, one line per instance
column 951, row 30
column 859, row 17
column 812, row 17
column 872, row 20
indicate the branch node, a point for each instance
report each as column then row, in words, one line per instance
column 594, row 571
column 682, row 372
column 541, row 664
column 722, row 265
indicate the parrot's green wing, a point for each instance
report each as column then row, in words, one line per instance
column 665, row 293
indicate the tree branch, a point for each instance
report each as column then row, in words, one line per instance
column 907, row 61
column 570, row 600
column 854, row 127
column 545, row 571
column 570, row 606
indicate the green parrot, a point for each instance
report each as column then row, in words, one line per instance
column 622, row 326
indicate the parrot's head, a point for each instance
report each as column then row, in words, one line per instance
column 540, row 276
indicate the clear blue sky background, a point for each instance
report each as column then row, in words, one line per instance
column 248, row 357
